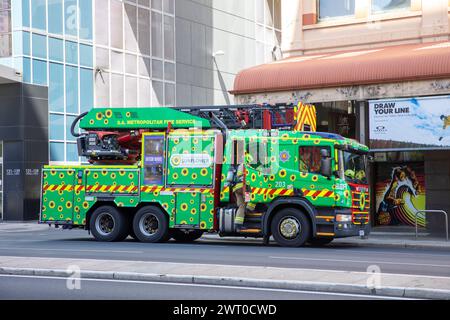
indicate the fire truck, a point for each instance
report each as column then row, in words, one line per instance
column 157, row 174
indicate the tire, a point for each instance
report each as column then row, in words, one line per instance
column 151, row 225
column 189, row 236
column 290, row 228
column 108, row 224
column 319, row 242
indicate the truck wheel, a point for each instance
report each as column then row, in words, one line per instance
column 151, row 225
column 319, row 242
column 182, row 236
column 290, row 228
column 108, row 224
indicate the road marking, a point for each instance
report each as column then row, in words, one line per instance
column 71, row 250
column 211, row 286
column 364, row 261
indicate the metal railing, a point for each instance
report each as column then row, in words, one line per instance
column 434, row 211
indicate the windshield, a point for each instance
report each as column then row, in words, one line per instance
column 355, row 168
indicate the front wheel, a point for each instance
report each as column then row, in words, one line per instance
column 186, row 236
column 290, row 228
column 151, row 225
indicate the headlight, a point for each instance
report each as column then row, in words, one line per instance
column 343, row 218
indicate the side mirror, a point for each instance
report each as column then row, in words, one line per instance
column 325, row 167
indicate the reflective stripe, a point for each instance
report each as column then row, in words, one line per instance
column 238, row 186
column 239, row 220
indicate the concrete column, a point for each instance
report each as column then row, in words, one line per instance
column 292, row 25
column 435, row 25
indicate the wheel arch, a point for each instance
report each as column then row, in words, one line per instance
column 288, row 202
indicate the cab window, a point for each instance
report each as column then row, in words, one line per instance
column 310, row 159
column 153, row 159
column 257, row 156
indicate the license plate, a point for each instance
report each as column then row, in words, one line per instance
column 362, row 233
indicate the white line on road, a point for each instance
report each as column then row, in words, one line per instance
column 364, row 261
column 71, row 250
column 210, row 286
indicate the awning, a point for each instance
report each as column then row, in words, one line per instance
column 345, row 68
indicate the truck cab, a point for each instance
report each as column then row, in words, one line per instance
column 307, row 187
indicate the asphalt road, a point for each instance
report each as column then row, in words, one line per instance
column 78, row 244
column 35, row 288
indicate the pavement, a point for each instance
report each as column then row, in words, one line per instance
column 347, row 266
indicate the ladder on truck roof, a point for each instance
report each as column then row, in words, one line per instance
column 256, row 116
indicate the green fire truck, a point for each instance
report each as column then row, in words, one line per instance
column 160, row 173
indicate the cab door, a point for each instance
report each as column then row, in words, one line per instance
column 315, row 187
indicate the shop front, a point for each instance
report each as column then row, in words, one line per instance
column 407, row 136
column 393, row 99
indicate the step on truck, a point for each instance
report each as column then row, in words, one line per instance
column 159, row 173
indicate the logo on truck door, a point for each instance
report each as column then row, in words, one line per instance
column 190, row 160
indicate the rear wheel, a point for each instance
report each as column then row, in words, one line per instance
column 151, row 225
column 186, row 236
column 108, row 224
column 319, row 242
column 290, row 228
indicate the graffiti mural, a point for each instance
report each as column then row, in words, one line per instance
column 400, row 193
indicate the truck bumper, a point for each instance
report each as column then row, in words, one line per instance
column 343, row 230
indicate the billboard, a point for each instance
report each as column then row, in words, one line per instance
column 410, row 124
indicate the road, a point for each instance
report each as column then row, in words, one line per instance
column 35, row 288
column 57, row 243
column 78, row 244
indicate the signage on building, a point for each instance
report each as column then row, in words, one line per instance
column 410, row 124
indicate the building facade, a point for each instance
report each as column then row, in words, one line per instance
column 355, row 59
column 128, row 53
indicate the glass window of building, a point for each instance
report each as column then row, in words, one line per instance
column 85, row 7
column 71, row 52
column 157, row 35
column 56, row 87
column 86, row 89
column 55, row 49
column 71, row 17
column 5, row 29
column 71, row 89
column 56, row 127
column 267, row 29
column 39, row 72
column 379, row 6
column 38, row 14
column 39, row 46
column 55, row 16
column 169, row 38
column 336, row 8
column 56, row 151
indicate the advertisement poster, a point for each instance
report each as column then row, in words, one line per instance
column 415, row 123
column 400, row 193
